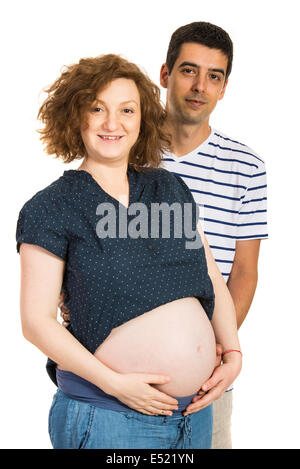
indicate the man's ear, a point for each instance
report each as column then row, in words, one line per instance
column 164, row 73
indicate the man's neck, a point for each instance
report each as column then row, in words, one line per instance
column 185, row 138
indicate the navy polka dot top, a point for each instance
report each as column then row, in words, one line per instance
column 110, row 280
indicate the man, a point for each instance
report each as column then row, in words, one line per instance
column 226, row 178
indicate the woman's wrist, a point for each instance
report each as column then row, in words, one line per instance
column 112, row 385
column 232, row 356
column 230, row 351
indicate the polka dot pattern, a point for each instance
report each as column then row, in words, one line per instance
column 110, row 281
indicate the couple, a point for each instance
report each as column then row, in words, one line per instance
column 135, row 368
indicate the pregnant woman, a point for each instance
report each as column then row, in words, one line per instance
column 120, row 236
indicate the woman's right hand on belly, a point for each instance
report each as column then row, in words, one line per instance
column 135, row 390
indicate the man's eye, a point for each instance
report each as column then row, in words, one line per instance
column 215, row 77
column 189, row 71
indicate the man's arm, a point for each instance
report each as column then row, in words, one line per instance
column 243, row 277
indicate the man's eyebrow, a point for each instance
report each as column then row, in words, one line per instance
column 217, row 70
column 191, row 64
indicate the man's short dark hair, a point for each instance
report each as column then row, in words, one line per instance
column 203, row 33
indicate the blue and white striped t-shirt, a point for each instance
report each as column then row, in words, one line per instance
column 228, row 182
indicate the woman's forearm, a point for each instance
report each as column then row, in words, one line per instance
column 224, row 316
column 41, row 280
column 57, row 343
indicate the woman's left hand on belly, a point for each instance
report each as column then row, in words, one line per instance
column 222, row 377
column 219, row 351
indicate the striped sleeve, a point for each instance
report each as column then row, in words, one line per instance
column 252, row 217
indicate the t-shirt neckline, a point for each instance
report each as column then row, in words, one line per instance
column 97, row 189
column 202, row 146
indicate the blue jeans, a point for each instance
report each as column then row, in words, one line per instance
column 77, row 425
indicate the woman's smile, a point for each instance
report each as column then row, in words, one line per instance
column 110, row 138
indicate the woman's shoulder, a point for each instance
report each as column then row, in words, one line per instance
column 162, row 174
column 170, row 181
column 50, row 197
column 43, row 219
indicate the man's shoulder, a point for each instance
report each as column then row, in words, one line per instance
column 231, row 148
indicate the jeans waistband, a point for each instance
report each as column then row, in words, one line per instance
column 80, row 389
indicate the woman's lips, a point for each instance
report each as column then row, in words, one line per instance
column 110, row 138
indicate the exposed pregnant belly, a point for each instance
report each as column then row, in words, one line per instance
column 175, row 339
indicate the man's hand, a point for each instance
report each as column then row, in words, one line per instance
column 64, row 312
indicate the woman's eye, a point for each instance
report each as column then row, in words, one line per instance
column 128, row 111
column 97, row 109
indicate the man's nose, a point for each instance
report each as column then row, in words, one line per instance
column 199, row 84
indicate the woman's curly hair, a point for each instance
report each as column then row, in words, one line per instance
column 72, row 95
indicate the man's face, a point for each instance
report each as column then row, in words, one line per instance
column 196, row 84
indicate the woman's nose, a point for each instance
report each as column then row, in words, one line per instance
column 111, row 122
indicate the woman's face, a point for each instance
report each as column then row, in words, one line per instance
column 113, row 123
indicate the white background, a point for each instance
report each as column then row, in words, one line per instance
column 260, row 108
